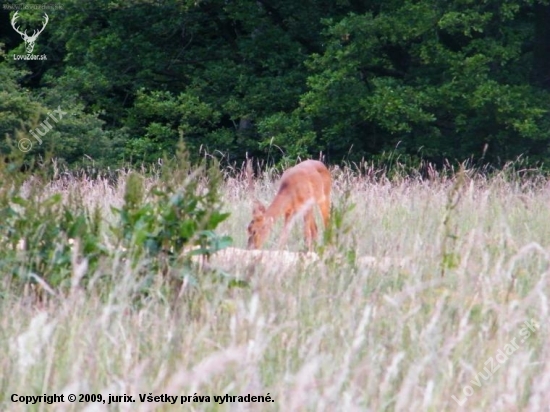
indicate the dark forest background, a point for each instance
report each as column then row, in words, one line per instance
column 426, row 79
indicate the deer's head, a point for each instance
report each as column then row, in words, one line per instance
column 259, row 227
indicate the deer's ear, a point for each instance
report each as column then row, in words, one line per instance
column 258, row 208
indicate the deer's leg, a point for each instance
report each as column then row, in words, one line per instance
column 310, row 229
column 325, row 211
column 284, row 234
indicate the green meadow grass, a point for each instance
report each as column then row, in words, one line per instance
column 436, row 323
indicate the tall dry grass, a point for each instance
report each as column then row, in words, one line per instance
column 424, row 282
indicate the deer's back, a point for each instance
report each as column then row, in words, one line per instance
column 306, row 180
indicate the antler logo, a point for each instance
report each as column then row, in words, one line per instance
column 29, row 40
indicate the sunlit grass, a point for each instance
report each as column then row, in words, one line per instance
column 408, row 330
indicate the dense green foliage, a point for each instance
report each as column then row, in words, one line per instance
column 51, row 235
column 353, row 78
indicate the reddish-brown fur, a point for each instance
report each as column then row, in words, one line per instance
column 301, row 188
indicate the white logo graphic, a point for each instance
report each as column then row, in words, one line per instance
column 29, row 40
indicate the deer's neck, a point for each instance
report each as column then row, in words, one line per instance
column 278, row 207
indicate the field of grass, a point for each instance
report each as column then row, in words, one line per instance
column 450, row 313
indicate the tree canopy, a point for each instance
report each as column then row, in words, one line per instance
column 430, row 79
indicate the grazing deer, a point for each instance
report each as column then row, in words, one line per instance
column 301, row 187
